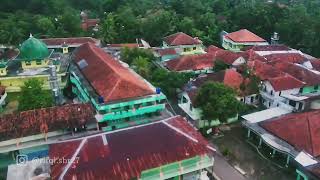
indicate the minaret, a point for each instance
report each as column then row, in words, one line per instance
column 275, row 39
column 54, row 84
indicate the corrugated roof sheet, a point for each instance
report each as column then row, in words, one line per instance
column 130, row 151
column 74, row 41
column 301, row 130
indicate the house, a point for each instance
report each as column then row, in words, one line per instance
column 293, row 138
column 232, row 59
column 32, row 61
column 199, row 63
column 230, row 78
column 120, row 96
column 183, row 44
column 65, row 45
column 166, row 54
column 236, row 41
column 29, row 132
column 167, row 149
column 274, row 90
column 89, row 24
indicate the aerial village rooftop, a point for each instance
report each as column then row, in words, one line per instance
column 115, row 124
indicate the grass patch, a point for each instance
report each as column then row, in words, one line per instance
column 13, row 96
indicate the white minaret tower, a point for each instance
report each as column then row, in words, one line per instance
column 275, row 38
column 54, row 84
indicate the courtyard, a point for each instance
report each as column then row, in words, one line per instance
column 240, row 152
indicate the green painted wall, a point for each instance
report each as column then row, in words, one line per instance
column 310, row 89
column 119, row 110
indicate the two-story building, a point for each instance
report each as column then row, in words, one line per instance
column 121, row 97
column 167, row 149
column 237, row 41
column 230, row 78
column 183, row 44
column 199, row 63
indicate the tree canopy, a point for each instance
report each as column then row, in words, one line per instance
column 33, row 96
column 124, row 21
column 217, row 102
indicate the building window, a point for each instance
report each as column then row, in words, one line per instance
column 38, row 62
column 184, row 100
column 190, row 107
column 185, row 49
column 252, row 99
column 280, row 93
column 269, row 104
column 194, row 48
column 1, row 71
column 271, row 92
column 316, row 87
column 300, row 90
column 28, row 63
column 292, row 103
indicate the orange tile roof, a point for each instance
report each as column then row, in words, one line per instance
column 285, row 83
column 180, row 38
column 108, row 77
column 191, row 62
column 243, row 36
column 301, row 130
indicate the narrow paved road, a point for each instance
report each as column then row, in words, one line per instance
column 224, row 170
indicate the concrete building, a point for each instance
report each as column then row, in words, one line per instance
column 166, row 149
column 236, row 41
column 120, row 96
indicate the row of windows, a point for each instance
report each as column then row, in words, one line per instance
column 189, row 49
column 28, row 63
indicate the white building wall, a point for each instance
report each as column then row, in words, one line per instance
column 194, row 113
column 272, row 98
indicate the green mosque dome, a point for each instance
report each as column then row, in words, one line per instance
column 33, row 48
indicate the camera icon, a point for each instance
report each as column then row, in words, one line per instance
column 21, row 159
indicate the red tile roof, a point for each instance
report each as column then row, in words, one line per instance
column 227, row 57
column 180, row 38
column 167, row 51
column 191, row 62
column 315, row 64
column 285, row 83
column 286, row 57
column 126, row 153
column 243, row 36
column 44, row 120
column 300, row 130
column 264, row 71
column 229, row 77
column 128, row 45
column 213, row 49
column 300, row 73
column 269, row 48
column 108, row 77
column 73, row 41
column 87, row 23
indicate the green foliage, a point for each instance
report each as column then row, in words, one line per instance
column 169, row 81
column 129, row 54
column 142, row 66
column 217, row 102
column 220, row 66
column 33, row 96
column 123, row 21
